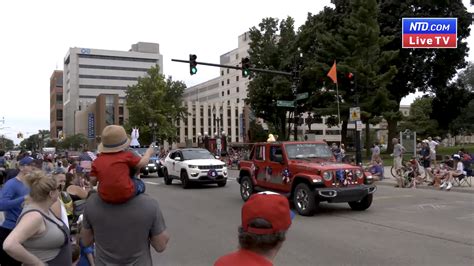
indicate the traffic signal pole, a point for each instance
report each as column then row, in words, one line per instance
column 260, row 70
column 245, row 67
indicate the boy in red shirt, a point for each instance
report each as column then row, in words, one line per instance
column 115, row 167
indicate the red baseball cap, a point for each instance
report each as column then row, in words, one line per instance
column 270, row 206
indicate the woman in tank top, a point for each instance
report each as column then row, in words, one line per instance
column 40, row 238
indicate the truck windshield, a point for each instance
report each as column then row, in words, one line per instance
column 308, row 150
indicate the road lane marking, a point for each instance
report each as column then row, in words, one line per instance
column 393, row 197
column 152, row 183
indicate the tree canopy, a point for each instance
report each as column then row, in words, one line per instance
column 155, row 99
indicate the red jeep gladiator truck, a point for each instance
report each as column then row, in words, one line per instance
column 307, row 173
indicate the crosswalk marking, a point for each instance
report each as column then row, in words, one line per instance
column 152, row 183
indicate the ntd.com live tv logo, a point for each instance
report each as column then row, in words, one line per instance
column 429, row 32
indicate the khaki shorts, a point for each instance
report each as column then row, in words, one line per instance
column 397, row 162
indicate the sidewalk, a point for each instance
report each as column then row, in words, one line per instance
column 389, row 180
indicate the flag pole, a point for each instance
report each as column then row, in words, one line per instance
column 338, row 110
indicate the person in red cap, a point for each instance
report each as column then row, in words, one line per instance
column 266, row 217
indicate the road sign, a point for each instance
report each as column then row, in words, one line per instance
column 301, row 96
column 285, row 103
column 354, row 114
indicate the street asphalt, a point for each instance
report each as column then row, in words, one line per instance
column 402, row 227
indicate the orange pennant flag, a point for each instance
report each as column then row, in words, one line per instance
column 332, row 74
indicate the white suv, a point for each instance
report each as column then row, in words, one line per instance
column 194, row 165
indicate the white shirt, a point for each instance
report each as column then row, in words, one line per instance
column 433, row 145
column 460, row 168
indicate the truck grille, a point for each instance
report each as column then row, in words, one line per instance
column 343, row 177
column 206, row 167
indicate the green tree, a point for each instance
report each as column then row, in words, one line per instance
column 351, row 35
column 256, row 132
column 419, row 118
column 74, row 142
column 155, row 99
column 464, row 123
column 6, row 143
column 272, row 47
column 427, row 70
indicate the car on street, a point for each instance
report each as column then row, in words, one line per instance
column 307, row 173
column 152, row 165
column 194, row 165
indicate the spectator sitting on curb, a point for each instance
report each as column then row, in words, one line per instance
column 266, row 217
column 376, row 169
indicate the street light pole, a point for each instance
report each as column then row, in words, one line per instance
column 153, row 126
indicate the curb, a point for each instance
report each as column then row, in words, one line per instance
column 453, row 189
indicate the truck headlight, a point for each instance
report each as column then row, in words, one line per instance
column 327, row 176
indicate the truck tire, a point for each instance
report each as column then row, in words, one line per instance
column 362, row 204
column 305, row 200
column 246, row 188
column 185, row 179
column 166, row 177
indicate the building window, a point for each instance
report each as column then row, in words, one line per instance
column 121, row 120
column 236, row 78
column 222, row 83
column 228, row 92
column 237, row 100
column 201, row 121
column 227, row 71
column 120, row 110
column 59, row 115
column 222, row 93
column 109, row 110
column 228, row 81
column 201, row 111
column 237, row 89
column 228, row 102
column 59, row 99
column 222, row 73
column 194, row 121
column 228, row 112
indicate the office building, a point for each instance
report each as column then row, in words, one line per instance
column 91, row 72
column 56, row 104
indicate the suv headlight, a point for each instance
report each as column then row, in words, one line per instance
column 327, row 176
column 192, row 166
column 359, row 173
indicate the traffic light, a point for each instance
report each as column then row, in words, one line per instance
column 192, row 64
column 245, row 67
column 351, row 78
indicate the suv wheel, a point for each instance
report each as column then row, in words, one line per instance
column 305, row 200
column 362, row 204
column 166, row 177
column 184, row 179
column 246, row 188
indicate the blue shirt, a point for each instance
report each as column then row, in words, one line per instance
column 11, row 200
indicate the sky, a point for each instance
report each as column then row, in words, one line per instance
column 36, row 36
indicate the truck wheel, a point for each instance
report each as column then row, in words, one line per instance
column 166, row 177
column 184, row 179
column 305, row 200
column 362, row 204
column 246, row 188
